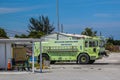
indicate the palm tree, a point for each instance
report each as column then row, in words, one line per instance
column 40, row 26
column 89, row 32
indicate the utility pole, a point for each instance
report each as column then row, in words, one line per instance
column 62, row 28
column 57, row 9
column 100, row 34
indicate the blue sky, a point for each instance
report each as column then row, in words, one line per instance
column 75, row 15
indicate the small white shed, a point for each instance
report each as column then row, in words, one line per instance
column 5, row 53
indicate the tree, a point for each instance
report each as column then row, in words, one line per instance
column 110, row 40
column 21, row 36
column 3, row 34
column 112, row 45
column 35, row 34
column 89, row 32
column 39, row 27
column 114, row 42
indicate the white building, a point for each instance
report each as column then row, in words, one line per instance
column 5, row 53
column 64, row 36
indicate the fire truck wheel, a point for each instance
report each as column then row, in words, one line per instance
column 83, row 59
column 52, row 62
column 91, row 61
column 44, row 57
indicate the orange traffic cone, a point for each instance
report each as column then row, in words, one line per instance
column 9, row 65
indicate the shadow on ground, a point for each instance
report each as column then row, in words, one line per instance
column 87, row 64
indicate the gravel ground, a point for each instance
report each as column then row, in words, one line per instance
column 104, row 69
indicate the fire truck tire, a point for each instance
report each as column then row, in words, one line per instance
column 52, row 62
column 83, row 59
column 44, row 57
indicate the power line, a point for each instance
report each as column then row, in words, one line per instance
column 13, row 32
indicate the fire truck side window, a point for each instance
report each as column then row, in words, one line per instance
column 86, row 43
column 96, row 43
column 92, row 43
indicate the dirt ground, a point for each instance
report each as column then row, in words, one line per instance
column 107, row 68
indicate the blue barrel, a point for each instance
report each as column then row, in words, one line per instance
column 35, row 59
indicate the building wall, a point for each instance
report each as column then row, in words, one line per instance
column 54, row 36
column 4, row 57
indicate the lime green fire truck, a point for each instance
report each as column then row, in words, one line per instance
column 83, row 50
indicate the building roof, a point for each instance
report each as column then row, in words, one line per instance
column 64, row 36
column 74, row 35
column 20, row 40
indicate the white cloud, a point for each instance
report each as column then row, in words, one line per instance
column 109, row 2
column 102, row 15
column 107, row 15
column 9, row 10
column 100, row 25
column 4, row 10
column 107, row 24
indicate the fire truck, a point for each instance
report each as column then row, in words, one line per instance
column 83, row 50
